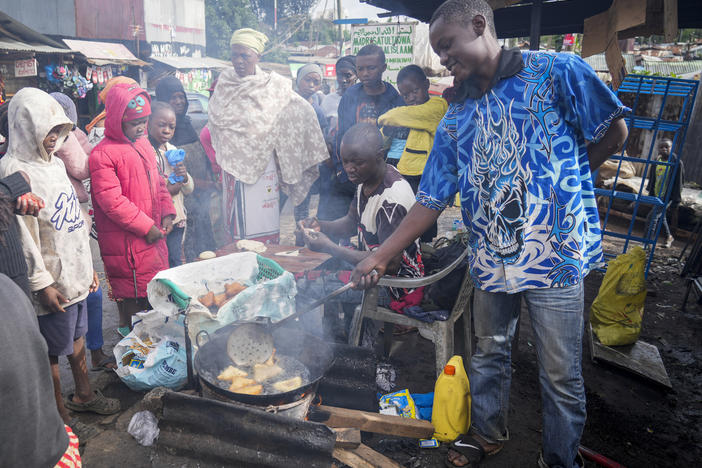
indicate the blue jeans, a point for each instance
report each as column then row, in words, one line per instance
column 557, row 320
column 174, row 242
column 93, row 339
column 656, row 213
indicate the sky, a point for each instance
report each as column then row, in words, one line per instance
column 351, row 8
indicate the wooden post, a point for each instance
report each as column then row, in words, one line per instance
column 535, row 35
column 341, row 32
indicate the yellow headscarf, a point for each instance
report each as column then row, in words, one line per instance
column 250, row 38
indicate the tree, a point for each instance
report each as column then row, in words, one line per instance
column 223, row 17
column 286, row 9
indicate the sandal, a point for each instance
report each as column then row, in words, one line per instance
column 474, row 448
column 103, row 364
column 83, row 431
column 99, row 405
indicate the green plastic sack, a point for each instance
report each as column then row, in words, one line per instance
column 617, row 311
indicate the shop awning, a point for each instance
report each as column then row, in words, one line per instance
column 104, row 53
column 18, row 46
column 189, row 63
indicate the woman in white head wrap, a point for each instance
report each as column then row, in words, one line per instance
column 265, row 137
column 309, row 83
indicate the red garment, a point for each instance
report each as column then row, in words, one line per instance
column 71, row 457
column 206, row 140
column 74, row 157
column 129, row 197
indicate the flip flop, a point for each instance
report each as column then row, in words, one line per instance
column 99, row 405
column 123, row 331
column 103, row 364
column 470, row 448
column 83, row 431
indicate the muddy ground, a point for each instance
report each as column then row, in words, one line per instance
column 630, row 420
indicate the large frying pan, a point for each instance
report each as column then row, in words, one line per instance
column 313, row 352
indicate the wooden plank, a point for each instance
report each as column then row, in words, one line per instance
column 596, row 33
column 364, row 457
column 670, row 20
column 615, row 63
column 641, row 358
column 372, row 422
column 347, row 437
column 307, row 259
column 629, row 13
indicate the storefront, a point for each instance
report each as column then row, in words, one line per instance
column 196, row 73
column 97, row 62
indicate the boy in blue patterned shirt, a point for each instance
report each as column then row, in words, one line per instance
column 518, row 144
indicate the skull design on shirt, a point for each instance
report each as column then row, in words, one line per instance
column 500, row 179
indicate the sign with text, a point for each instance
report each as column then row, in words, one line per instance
column 396, row 40
column 25, row 68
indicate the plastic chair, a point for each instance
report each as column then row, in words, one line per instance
column 441, row 333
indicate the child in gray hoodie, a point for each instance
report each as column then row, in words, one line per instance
column 56, row 246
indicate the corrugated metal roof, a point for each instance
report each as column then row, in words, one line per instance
column 186, row 63
column 674, row 68
column 104, row 53
column 9, row 44
column 599, row 64
column 175, row 21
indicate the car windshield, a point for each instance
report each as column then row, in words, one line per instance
column 197, row 104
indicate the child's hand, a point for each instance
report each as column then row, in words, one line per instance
column 29, row 204
column 95, row 284
column 181, row 171
column 153, row 235
column 51, row 298
column 167, row 224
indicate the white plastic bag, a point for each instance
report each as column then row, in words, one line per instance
column 274, row 298
column 153, row 354
column 144, row 428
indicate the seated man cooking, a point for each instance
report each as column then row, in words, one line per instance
column 382, row 200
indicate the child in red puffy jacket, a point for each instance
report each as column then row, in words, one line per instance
column 133, row 209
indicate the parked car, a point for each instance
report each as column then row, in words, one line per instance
column 197, row 108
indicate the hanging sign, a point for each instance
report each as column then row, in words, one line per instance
column 25, row 68
column 396, row 40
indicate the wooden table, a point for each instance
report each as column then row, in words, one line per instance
column 306, row 261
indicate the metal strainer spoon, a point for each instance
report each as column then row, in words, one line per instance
column 252, row 342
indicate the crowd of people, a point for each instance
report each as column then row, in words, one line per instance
column 516, row 138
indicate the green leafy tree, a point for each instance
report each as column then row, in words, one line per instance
column 286, row 9
column 223, row 17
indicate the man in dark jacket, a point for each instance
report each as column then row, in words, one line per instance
column 15, row 198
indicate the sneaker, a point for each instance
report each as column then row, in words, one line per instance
column 668, row 242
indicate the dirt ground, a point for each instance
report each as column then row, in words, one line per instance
column 630, row 420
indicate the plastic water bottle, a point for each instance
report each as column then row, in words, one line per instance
column 456, row 225
column 451, row 409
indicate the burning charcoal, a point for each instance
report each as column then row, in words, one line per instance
column 407, row 446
